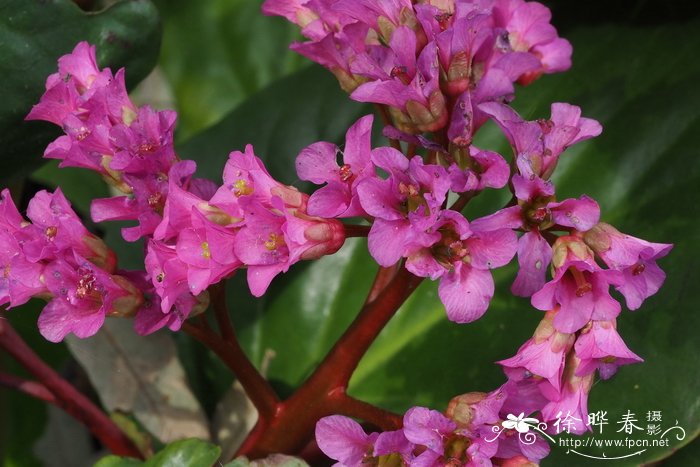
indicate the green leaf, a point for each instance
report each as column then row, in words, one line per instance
column 184, row 453
column 116, row 461
column 34, row 34
column 217, row 53
column 281, row 120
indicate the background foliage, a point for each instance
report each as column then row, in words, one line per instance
column 233, row 82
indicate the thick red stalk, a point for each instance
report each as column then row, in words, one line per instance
column 324, row 392
column 66, row 395
column 229, row 350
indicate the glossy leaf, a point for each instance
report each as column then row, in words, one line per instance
column 184, row 453
column 217, row 53
column 34, row 34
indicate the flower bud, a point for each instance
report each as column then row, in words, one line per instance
column 570, row 248
column 326, row 236
column 598, row 238
column 461, row 408
column 102, row 256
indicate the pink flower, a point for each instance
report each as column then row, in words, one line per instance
column 10, row 218
column 428, row 428
column 145, row 145
column 600, row 346
column 317, row 163
column 461, row 259
column 21, row 278
column 540, row 143
column 274, row 238
column 568, row 408
column 580, row 287
column 56, row 229
column 245, row 175
column 636, row 258
column 478, row 169
column 417, row 97
column 528, row 29
column 344, row 440
column 208, row 251
column 169, row 277
column 83, row 295
column 406, row 206
column 543, row 355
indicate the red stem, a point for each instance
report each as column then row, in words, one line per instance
column 354, row 230
column 30, row 388
column 229, row 350
column 67, row 397
column 323, row 393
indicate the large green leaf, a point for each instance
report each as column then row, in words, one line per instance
column 642, row 85
column 34, row 34
column 216, row 53
column 184, row 453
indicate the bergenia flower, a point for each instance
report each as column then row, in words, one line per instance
column 636, row 258
column 462, row 259
column 570, row 405
column 406, row 206
column 83, row 296
column 344, row 440
column 21, row 278
column 541, row 356
column 56, row 228
column 580, row 287
column 318, row 164
column 540, row 143
column 528, row 29
column 599, row 346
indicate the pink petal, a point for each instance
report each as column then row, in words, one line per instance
column 342, row 439
column 581, row 214
column 534, row 255
column 466, row 293
column 388, row 240
column 317, row 163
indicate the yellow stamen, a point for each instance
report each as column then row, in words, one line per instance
column 206, row 252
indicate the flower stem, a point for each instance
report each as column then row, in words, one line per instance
column 324, row 392
column 30, row 388
column 229, row 350
column 66, row 395
column 354, row 230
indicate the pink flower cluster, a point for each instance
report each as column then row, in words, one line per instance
column 197, row 232
column 446, row 67
column 467, row 435
column 433, row 61
column 54, row 257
